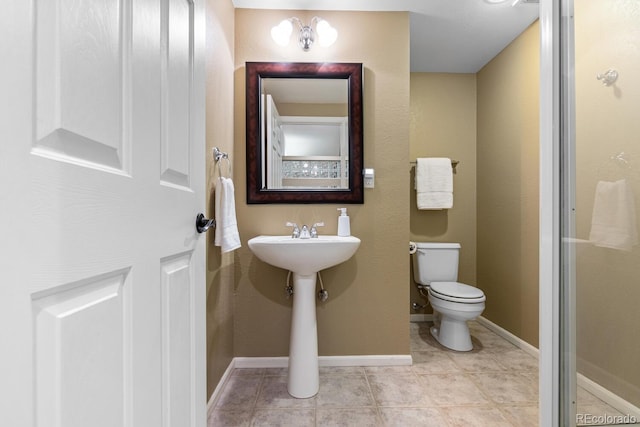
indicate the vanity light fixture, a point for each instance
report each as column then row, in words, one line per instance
column 327, row 35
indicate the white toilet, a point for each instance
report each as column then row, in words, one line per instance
column 435, row 266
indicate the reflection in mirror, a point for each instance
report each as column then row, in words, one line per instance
column 304, row 130
column 306, row 139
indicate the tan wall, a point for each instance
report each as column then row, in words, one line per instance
column 443, row 124
column 366, row 312
column 219, row 116
column 608, row 280
column 507, row 185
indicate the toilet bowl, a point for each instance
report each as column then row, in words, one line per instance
column 435, row 265
column 456, row 303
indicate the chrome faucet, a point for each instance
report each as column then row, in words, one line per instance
column 295, row 233
column 304, row 232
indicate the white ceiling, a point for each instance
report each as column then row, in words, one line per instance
column 453, row 36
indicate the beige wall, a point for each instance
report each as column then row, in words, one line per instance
column 443, row 124
column 366, row 312
column 219, row 116
column 507, row 186
column 607, row 280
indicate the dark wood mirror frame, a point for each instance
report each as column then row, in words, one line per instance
column 255, row 72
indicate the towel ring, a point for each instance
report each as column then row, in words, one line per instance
column 221, row 155
column 228, row 167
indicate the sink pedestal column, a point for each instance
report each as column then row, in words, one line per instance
column 304, row 379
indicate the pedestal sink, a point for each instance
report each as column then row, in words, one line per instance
column 304, row 257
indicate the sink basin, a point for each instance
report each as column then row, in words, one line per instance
column 304, row 256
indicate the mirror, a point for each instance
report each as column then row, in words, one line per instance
column 304, row 132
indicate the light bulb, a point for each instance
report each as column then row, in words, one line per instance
column 281, row 33
column 327, row 35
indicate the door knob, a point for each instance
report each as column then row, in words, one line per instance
column 203, row 224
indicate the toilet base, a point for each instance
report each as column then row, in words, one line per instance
column 451, row 328
column 452, row 334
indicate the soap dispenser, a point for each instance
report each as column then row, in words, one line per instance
column 344, row 226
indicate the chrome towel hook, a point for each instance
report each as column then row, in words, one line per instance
column 609, row 77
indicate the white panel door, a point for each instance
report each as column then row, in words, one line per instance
column 275, row 145
column 102, row 288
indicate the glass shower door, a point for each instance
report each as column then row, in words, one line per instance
column 600, row 175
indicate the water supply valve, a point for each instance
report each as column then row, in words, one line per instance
column 323, row 295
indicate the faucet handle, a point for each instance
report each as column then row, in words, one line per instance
column 296, row 231
column 314, row 229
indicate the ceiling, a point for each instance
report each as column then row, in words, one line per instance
column 449, row 36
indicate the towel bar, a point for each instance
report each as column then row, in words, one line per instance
column 454, row 163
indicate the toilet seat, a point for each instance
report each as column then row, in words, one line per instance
column 456, row 292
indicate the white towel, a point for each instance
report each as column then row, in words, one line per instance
column 434, row 183
column 226, row 236
column 613, row 222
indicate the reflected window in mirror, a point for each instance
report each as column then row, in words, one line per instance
column 304, row 133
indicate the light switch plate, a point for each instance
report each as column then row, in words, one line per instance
column 369, row 178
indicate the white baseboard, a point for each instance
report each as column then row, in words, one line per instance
column 218, row 390
column 261, row 362
column 364, row 360
column 517, row 341
column 367, row 360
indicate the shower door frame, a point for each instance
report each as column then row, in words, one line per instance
column 557, row 379
column 550, row 208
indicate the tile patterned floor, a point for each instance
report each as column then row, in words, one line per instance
column 496, row 384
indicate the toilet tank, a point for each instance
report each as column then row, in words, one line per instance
column 436, row 262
